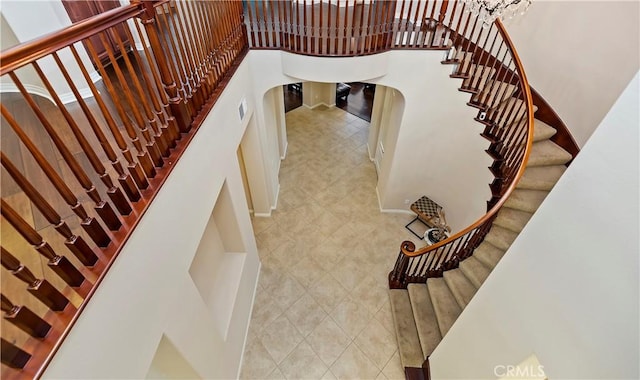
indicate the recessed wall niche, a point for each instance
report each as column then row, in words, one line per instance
column 168, row 363
column 217, row 266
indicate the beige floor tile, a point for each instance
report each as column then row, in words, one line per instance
column 354, row 364
column 394, row 370
column 276, row 374
column 286, row 291
column 370, row 293
column 306, row 314
column 385, row 317
column 265, row 311
column 307, row 272
column 257, row 361
column 377, row 343
column 328, row 293
column 328, row 340
column 351, row 317
column 280, row 338
column 303, row 363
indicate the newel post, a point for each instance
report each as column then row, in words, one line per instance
column 176, row 103
column 397, row 277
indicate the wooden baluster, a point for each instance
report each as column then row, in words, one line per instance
column 114, row 193
column 102, row 207
column 217, row 41
column 89, row 224
column 484, row 55
column 252, row 25
column 303, row 28
column 374, row 26
column 221, row 52
column 40, row 288
column 345, row 24
column 23, row 318
column 200, row 47
column 59, row 264
column 272, row 25
column 330, row 29
column 160, row 138
column 200, row 69
column 315, row 47
column 134, row 168
column 403, row 27
column 361, row 32
column 204, row 12
column 143, row 156
column 321, row 46
column 76, row 244
column 449, row 24
column 13, row 356
column 125, row 180
column 280, row 23
column 161, row 107
column 353, row 40
column 178, row 109
column 368, row 32
column 432, row 17
column 298, row 30
column 152, row 145
column 178, row 58
column 224, row 32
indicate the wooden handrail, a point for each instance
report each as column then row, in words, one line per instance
column 524, row 87
column 29, row 51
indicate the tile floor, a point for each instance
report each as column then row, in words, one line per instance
column 322, row 308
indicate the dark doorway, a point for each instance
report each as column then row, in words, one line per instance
column 359, row 102
column 292, row 96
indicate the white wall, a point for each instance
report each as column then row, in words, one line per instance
column 148, row 293
column 315, row 94
column 433, row 112
column 568, row 288
column 579, row 55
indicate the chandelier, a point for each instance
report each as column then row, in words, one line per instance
column 489, row 10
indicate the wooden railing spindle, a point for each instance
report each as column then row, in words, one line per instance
column 143, row 156
column 23, row 318
column 93, row 228
column 59, row 264
column 40, row 288
column 114, row 193
column 13, row 356
column 134, row 168
column 102, row 207
column 76, row 244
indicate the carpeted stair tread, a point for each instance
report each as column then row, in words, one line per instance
column 425, row 317
column 509, row 111
column 542, row 131
column 406, row 331
column 494, row 92
column 501, row 237
column 444, row 303
column 477, row 70
column 544, row 153
column 512, row 219
column 541, row 177
column 460, row 286
column 475, row 271
column 488, row 254
column 526, row 200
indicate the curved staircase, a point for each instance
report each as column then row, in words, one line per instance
column 424, row 312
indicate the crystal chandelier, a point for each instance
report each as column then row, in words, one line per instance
column 489, row 10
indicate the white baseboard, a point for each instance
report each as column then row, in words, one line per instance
column 284, row 151
column 318, row 105
column 391, row 210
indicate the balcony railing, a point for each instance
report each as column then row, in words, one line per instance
column 92, row 165
column 91, row 160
